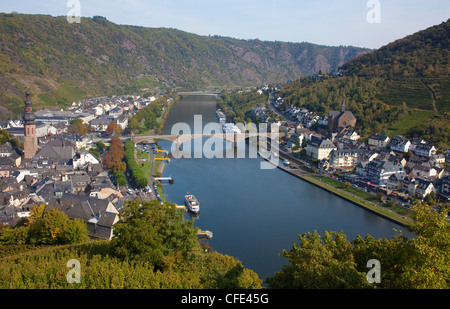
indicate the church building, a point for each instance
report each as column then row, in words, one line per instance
column 341, row 119
column 30, row 144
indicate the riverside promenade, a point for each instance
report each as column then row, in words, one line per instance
column 367, row 205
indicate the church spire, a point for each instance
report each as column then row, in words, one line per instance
column 30, row 139
column 343, row 105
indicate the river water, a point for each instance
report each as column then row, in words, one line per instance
column 255, row 213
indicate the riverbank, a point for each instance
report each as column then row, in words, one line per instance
column 356, row 200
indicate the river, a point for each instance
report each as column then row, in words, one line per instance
column 255, row 213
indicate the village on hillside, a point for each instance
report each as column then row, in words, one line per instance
column 61, row 171
column 402, row 169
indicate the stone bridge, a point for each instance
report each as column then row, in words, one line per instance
column 181, row 138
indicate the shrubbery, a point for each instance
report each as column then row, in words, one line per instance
column 51, row 227
column 154, row 247
column 137, row 172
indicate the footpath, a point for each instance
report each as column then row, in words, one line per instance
column 305, row 175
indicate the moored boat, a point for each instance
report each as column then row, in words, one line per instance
column 191, row 203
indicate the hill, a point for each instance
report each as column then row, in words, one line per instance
column 62, row 62
column 401, row 88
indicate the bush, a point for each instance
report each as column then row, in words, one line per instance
column 137, row 172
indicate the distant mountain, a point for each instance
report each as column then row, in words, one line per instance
column 401, row 88
column 423, row 54
column 61, row 62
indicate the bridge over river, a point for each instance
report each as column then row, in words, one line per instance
column 207, row 93
column 179, row 139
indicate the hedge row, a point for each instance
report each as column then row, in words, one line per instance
column 137, row 171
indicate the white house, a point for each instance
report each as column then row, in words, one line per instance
column 319, row 148
column 378, row 140
column 400, row 144
column 122, row 122
column 100, row 124
column 424, row 171
column 98, row 110
column 84, row 157
column 344, row 158
column 425, row 150
column 424, row 188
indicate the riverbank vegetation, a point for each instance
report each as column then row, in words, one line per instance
column 138, row 171
column 154, row 248
column 152, row 117
column 332, row 262
column 363, row 199
column 237, row 105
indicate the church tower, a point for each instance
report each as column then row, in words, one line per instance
column 343, row 105
column 30, row 139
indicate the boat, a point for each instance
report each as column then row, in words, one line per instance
column 204, row 234
column 221, row 116
column 286, row 162
column 191, row 203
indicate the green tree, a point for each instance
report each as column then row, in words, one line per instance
column 54, row 227
column 76, row 232
column 149, row 231
column 407, row 263
column 319, row 263
column 133, row 125
column 77, row 126
column 49, row 227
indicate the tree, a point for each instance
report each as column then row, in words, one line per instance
column 149, row 231
column 319, row 263
column 77, row 126
column 51, row 228
column 112, row 159
column 420, row 262
column 76, row 232
column 133, row 124
column 113, row 128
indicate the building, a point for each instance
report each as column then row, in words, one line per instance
column 100, row 215
column 423, row 188
column 378, row 140
column 444, row 195
column 59, row 148
column 400, row 144
column 395, row 181
column 30, row 144
column 341, row 118
column 344, row 158
column 425, row 150
column 319, row 147
column 425, row 171
column 83, row 158
column 379, row 171
column 100, row 124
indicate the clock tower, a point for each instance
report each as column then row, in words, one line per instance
column 30, row 139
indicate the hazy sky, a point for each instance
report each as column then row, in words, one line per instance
column 327, row 22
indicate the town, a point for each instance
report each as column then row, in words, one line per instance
column 396, row 169
column 64, row 170
column 61, row 167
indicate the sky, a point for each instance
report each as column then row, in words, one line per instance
column 362, row 23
